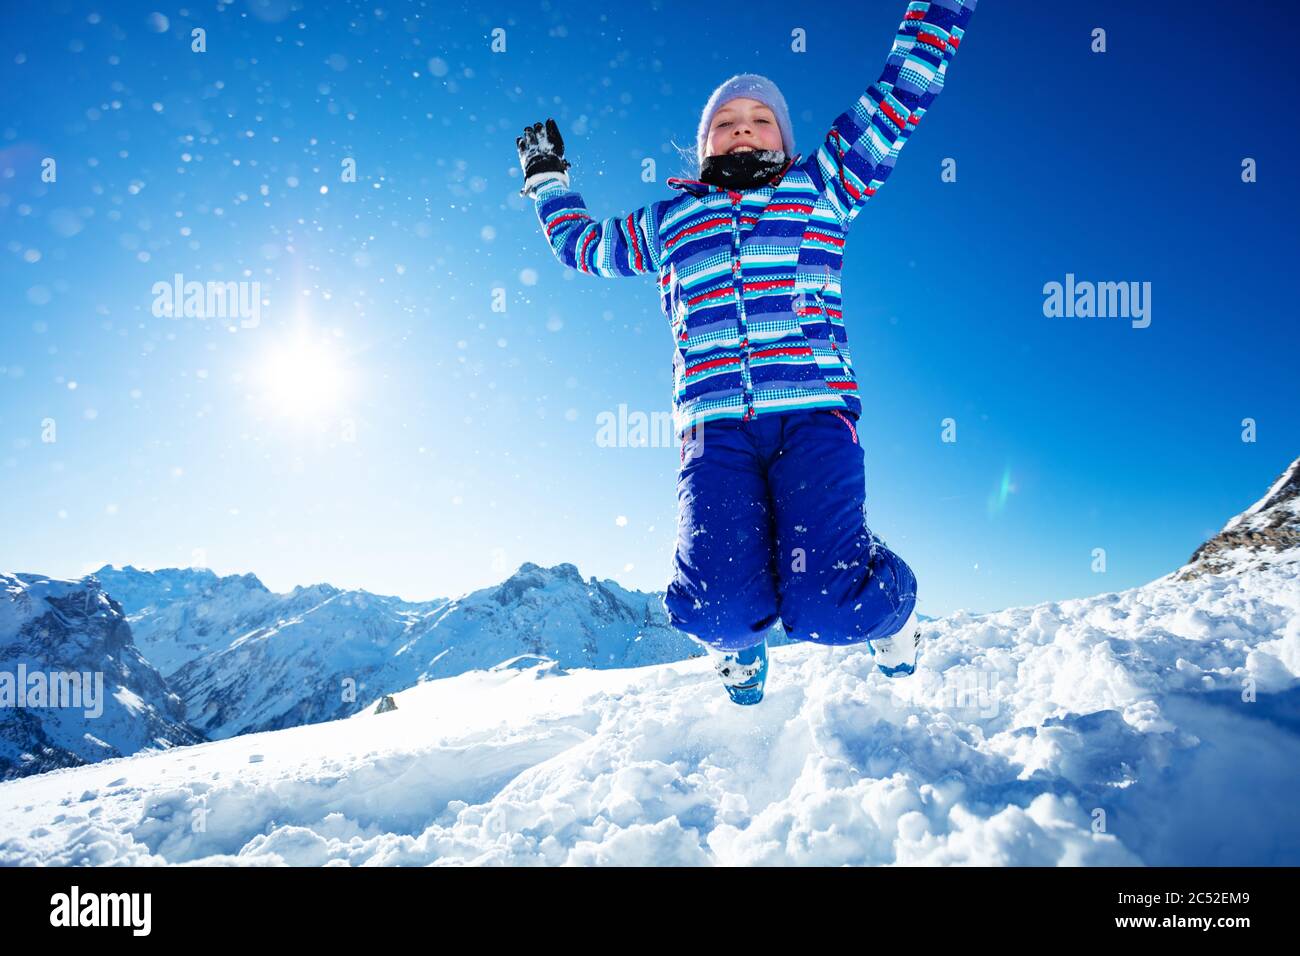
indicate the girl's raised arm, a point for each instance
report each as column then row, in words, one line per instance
column 859, row 152
column 618, row 246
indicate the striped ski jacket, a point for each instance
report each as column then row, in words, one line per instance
column 749, row 280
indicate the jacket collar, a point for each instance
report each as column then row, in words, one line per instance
column 699, row 188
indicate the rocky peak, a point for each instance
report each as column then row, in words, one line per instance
column 532, row 576
column 1268, row 527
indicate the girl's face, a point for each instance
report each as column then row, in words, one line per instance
column 742, row 122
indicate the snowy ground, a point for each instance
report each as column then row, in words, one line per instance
column 1108, row 730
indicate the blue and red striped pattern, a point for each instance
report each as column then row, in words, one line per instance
column 750, row 279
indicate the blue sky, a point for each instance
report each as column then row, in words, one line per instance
column 436, row 444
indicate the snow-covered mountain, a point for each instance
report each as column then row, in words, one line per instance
column 1269, row 527
column 296, row 671
column 178, row 615
column 245, row 659
column 321, row 663
column 550, row 612
column 1156, row 725
column 110, row 701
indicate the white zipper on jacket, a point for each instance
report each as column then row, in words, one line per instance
column 739, row 280
column 830, row 325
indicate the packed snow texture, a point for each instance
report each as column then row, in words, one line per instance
column 1118, row 729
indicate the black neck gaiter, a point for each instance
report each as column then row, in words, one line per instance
column 743, row 170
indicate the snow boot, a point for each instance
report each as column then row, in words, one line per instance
column 896, row 654
column 743, row 672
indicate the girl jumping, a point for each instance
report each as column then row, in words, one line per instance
column 771, row 522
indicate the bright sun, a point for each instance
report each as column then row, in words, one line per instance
column 301, row 379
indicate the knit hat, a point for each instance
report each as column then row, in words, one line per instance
column 754, row 87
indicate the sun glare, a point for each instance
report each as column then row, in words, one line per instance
column 301, row 379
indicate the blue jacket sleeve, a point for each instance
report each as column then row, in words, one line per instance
column 859, row 152
column 618, row 246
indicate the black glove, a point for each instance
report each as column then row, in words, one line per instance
column 541, row 155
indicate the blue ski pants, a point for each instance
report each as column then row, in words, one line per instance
column 771, row 524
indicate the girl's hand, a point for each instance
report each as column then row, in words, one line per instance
column 541, row 155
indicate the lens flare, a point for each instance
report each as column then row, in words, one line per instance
column 997, row 501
